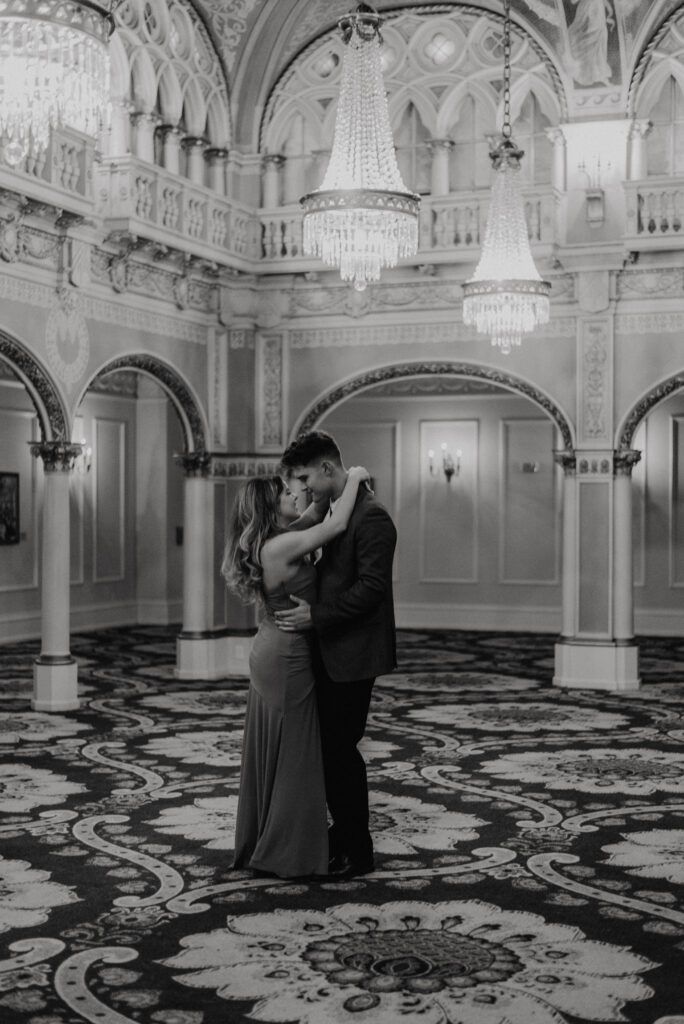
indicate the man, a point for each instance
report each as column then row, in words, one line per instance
column 354, row 639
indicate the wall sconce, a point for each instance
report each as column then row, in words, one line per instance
column 594, row 194
column 530, row 467
column 451, row 464
column 85, row 459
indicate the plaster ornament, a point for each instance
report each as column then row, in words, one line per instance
column 66, row 338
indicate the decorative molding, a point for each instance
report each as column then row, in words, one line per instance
column 228, row 23
column 34, row 294
column 650, row 323
column 66, row 338
column 270, row 391
column 398, row 371
column 123, row 383
column 243, row 466
column 594, row 465
column 667, row 281
column 242, row 337
column 644, row 405
column 406, row 334
column 174, row 385
column 428, row 387
column 57, row 456
column 51, row 413
column 217, row 378
column 595, row 396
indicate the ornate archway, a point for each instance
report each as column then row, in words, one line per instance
column 644, row 405
column 184, row 401
column 452, row 368
column 52, row 416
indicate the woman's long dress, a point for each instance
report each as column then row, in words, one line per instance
column 281, row 819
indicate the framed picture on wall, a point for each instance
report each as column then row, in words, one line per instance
column 9, row 508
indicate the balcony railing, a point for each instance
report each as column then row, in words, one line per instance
column 451, row 229
column 61, row 176
column 655, row 213
column 148, row 201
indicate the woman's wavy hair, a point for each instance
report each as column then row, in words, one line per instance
column 254, row 518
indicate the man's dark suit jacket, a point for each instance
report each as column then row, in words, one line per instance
column 354, row 612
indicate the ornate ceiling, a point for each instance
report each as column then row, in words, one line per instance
column 595, row 44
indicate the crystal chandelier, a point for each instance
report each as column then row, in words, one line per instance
column 54, row 69
column 362, row 217
column 506, row 296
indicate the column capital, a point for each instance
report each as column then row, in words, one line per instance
column 273, row 159
column 216, row 153
column 145, row 117
column 640, row 128
column 447, row 144
column 57, row 456
column 567, row 459
column 554, row 134
column 194, row 464
column 169, row 130
column 194, row 142
column 624, row 461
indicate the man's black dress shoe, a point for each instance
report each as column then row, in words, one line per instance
column 341, row 865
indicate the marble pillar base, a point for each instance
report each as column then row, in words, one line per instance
column 597, row 666
column 213, row 656
column 55, row 684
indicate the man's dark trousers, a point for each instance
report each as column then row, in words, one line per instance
column 342, row 712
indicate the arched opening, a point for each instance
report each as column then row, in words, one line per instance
column 463, row 457
column 127, row 501
column 655, row 427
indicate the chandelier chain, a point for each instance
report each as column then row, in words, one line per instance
column 506, row 129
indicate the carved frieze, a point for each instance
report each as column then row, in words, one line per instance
column 596, row 379
column 666, row 282
column 269, row 384
column 406, row 334
column 243, row 466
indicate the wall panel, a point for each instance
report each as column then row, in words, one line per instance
column 448, row 509
column 529, row 505
column 594, row 558
column 109, row 466
column 19, row 562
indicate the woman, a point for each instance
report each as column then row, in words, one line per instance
column 281, row 820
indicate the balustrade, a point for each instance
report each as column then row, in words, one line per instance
column 61, row 175
column 655, row 208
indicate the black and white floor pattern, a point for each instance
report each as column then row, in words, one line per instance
column 530, row 849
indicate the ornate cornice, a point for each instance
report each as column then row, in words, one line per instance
column 243, row 466
column 426, row 369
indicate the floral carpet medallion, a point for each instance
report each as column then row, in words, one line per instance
column 529, row 849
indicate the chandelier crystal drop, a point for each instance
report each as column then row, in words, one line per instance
column 54, row 70
column 506, row 296
column 362, row 217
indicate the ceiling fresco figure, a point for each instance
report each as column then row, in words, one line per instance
column 588, row 34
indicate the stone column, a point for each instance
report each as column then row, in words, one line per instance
column 171, row 140
column 439, row 176
column 558, row 166
column 637, row 162
column 120, row 129
column 144, row 126
column 217, row 160
column 270, row 189
column 198, row 651
column 194, row 150
column 568, row 460
column 55, row 685
column 623, row 571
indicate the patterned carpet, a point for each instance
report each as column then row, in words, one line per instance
column 530, row 848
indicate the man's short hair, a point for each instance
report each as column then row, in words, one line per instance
column 308, row 448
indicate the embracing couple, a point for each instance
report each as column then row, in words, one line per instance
column 323, row 575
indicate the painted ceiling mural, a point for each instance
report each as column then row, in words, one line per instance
column 595, row 43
